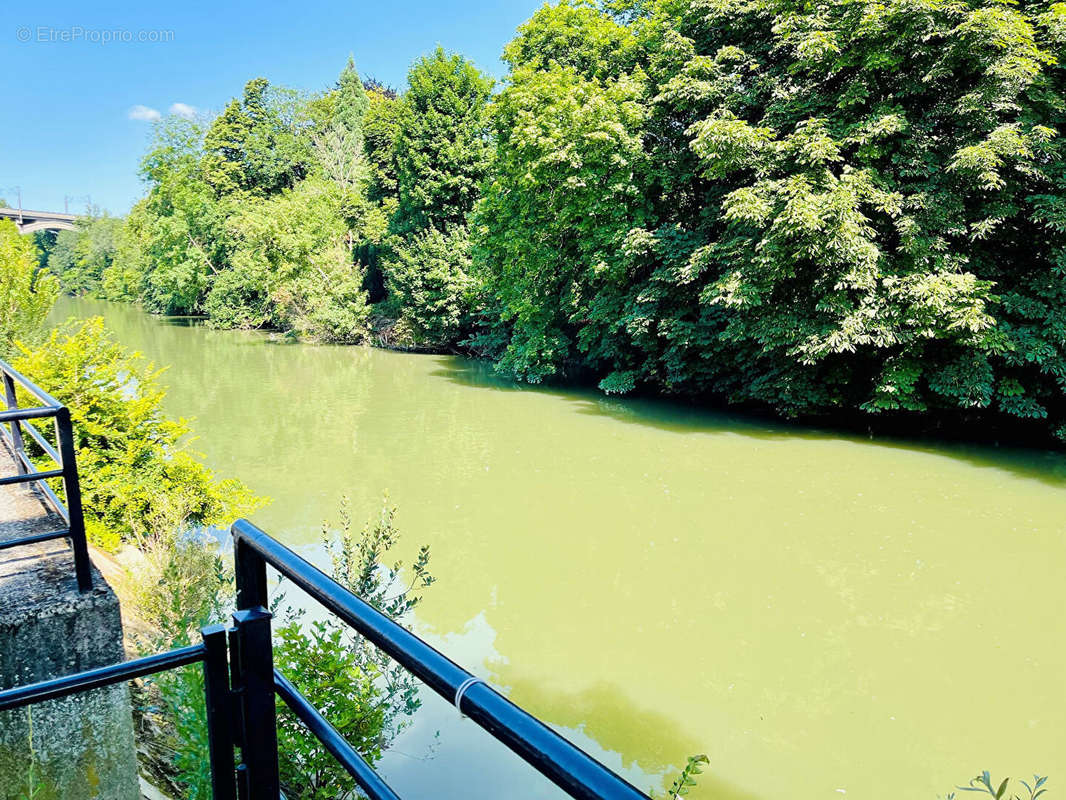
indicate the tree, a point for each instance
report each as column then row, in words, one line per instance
column 858, row 245
column 568, row 185
column 380, row 129
column 174, row 239
column 430, row 278
column 441, row 155
column 26, row 293
column 841, row 206
column 258, row 144
column 80, row 257
column 576, row 34
column 441, row 149
column 291, row 268
column 352, row 102
column 224, row 147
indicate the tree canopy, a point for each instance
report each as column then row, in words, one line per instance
column 849, row 206
column 852, row 207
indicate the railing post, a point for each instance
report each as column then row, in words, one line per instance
column 75, row 518
column 219, row 704
column 16, row 426
column 253, row 660
column 250, row 574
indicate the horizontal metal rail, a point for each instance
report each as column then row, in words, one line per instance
column 356, row 766
column 563, row 763
column 30, row 477
column 35, row 539
column 18, row 414
column 27, row 465
column 98, row 678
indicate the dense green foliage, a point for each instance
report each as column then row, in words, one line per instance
column 847, row 207
column 82, row 256
column 253, row 219
column 255, row 145
column 440, row 149
column 429, row 278
column 26, row 294
column 850, row 205
column 139, row 479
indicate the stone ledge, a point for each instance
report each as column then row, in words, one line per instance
column 83, row 744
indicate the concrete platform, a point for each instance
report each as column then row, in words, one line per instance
column 26, row 571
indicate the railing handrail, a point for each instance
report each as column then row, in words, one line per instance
column 99, row 678
column 17, row 421
column 562, row 762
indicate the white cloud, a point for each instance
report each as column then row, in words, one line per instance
column 144, row 114
column 183, row 110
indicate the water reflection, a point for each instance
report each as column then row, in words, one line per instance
column 439, row 754
column 679, row 417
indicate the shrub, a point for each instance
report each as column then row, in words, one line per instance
column 361, row 691
column 138, row 476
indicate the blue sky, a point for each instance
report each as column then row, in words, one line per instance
column 66, row 128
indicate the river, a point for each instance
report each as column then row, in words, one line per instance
column 824, row 615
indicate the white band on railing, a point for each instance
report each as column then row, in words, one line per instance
column 462, row 690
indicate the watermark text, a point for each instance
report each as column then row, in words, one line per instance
column 50, row 34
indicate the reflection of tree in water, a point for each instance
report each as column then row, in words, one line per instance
column 653, row 742
column 679, row 416
column 293, row 420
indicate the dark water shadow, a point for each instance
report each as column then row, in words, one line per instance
column 678, row 416
column 183, row 322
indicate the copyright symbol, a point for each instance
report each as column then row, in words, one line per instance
column 23, row 34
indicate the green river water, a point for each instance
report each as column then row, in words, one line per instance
column 824, row 615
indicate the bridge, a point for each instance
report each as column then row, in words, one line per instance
column 33, row 221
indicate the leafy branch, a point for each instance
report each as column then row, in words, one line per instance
column 983, row 785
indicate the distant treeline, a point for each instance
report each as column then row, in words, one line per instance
column 844, row 207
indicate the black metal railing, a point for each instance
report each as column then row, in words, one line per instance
column 241, row 684
column 19, row 423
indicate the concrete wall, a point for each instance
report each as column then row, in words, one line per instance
column 83, row 745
